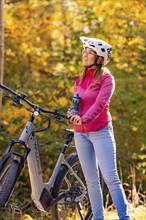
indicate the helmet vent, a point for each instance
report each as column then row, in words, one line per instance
column 102, row 49
column 100, row 44
column 91, row 45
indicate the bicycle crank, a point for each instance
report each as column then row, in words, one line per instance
column 18, row 210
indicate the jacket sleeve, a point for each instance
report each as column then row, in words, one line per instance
column 103, row 98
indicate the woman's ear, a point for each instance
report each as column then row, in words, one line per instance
column 100, row 60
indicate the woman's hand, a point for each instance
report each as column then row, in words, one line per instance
column 74, row 119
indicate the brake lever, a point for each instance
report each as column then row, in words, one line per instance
column 8, row 97
column 58, row 117
column 15, row 99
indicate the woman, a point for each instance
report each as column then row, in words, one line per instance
column 94, row 136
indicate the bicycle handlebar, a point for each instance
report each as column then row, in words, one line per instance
column 18, row 97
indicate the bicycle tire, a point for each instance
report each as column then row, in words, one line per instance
column 61, row 211
column 8, row 176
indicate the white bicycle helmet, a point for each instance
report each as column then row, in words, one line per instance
column 102, row 48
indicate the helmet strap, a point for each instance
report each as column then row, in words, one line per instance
column 94, row 64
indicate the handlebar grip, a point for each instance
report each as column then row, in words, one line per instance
column 65, row 116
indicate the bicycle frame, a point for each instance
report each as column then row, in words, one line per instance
column 41, row 192
column 28, row 137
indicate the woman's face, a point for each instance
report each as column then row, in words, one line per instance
column 88, row 56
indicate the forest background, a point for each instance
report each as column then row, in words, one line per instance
column 43, row 58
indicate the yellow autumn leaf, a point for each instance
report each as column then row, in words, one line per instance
column 63, row 101
column 26, row 217
column 119, row 66
column 114, row 117
column 72, row 68
column 71, row 89
column 134, row 128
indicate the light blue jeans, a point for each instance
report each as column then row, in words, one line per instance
column 99, row 149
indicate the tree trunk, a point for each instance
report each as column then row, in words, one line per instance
column 1, row 48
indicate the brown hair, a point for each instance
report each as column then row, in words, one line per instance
column 99, row 72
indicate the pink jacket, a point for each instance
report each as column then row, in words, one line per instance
column 94, row 104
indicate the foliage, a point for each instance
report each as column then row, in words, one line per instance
column 43, row 58
column 135, row 214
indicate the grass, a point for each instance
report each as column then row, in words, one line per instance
column 138, row 213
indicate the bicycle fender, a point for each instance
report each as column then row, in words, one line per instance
column 63, row 166
column 6, row 156
column 71, row 156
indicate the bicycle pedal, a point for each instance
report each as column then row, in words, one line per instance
column 16, row 208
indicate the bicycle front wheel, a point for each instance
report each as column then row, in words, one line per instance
column 75, row 203
column 8, row 176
